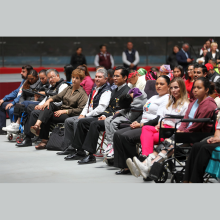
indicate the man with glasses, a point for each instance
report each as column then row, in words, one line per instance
column 6, row 106
column 57, row 85
column 88, row 129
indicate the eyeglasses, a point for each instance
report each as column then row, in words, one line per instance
column 49, row 78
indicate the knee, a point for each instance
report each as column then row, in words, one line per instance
column 11, row 111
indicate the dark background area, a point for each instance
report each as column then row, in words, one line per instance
column 56, row 51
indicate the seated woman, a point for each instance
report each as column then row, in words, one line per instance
column 202, row 107
column 165, row 70
column 33, row 83
column 136, row 81
column 189, row 79
column 68, row 69
column 125, row 140
column 73, row 100
column 178, row 71
column 177, row 105
column 87, row 82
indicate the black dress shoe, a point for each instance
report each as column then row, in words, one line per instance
column 67, row 152
column 122, row 172
column 26, row 142
column 75, row 156
column 88, row 159
column 3, row 132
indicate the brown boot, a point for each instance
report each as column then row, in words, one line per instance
column 35, row 130
column 42, row 144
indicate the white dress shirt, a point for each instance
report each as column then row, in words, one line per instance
column 62, row 87
column 125, row 61
column 96, row 61
column 88, row 111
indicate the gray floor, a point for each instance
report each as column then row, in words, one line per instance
column 27, row 165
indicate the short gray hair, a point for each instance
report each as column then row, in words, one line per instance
column 185, row 44
column 52, row 70
column 103, row 71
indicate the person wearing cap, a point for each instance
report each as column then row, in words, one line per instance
column 212, row 75
column 136, row 81
column 166, row 70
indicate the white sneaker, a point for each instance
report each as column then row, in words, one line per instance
column 111, row 154
column 143, row 168
column 107, row 150
column 8, row 127
column 132, row 167
column 13, row 128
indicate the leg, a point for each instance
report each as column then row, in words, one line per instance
column 148, row 138
column 92, row 136
column 201, row 162
column 108, row 129
column 3, row 115
column 124, row 144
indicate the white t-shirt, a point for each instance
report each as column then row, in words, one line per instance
column 154, row 107
column 179, row 110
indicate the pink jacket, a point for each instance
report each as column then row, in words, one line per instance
column 87, row 84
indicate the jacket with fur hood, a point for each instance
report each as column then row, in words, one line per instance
column 204, row 110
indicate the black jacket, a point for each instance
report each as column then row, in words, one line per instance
column 209, row 56
column 77, row 60
column 113, row 104
column 172, row 61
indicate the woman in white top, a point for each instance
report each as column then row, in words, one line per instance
column 177, row 105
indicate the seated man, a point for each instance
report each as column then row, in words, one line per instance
column 15, row 96
column 136, row 81
column 211, row 74
column 57, row 85
column 97, row 124
column 97, row 103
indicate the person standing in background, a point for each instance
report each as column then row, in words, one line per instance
column 130, row 57
column 78, row 58
column 213, row 53
column 103, row 58
column 171, row 60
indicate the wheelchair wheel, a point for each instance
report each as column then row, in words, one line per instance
column 163, row 178
column 177, row 177
column 10, row 137
column 19, row 139
column 109, row 162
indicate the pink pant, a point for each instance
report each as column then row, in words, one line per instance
column 150, row 137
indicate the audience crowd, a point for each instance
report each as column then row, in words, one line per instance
column 127, row 103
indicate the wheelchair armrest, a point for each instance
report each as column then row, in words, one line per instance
column 197, row 120
column 174, row 116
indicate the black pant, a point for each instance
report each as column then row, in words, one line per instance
column 124, row 143
column 87, row 134
column 198, row 161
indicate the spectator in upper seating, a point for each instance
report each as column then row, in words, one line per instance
column 130, row 57
column 202, row 107
column 77, row 59
column 199, row 71
column 136, row 81
column 111, row 78
column 201, row 60
column 178, row 71
column 68, row 69
column 87, row 82
column 73, row 99
column 212, row 75
column 97, row 103
column 183, row 56
column 165, row 70
column 171, row 60
column 207, row 47
column 104, row 58
column 125, row 140
column 57, row 85
column 6, row 106
column 213, row 53
column 189, row 79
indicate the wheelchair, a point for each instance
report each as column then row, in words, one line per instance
column 175, row 165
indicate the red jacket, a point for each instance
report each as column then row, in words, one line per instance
column 205, row 110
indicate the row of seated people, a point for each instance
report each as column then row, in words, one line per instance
column 81, row 132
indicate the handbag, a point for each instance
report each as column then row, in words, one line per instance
column 56, row 140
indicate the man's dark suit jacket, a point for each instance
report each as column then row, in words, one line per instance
column 182, row 59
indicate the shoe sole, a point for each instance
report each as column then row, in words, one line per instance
column 129, row 163
column 34, row 132
column 142, row 174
